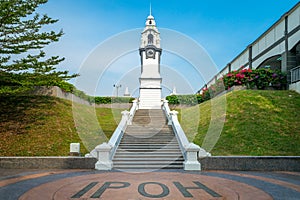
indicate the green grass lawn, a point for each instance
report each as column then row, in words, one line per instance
column 256, row 123
column 44, row 126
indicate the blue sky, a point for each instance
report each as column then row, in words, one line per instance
column 222, row 28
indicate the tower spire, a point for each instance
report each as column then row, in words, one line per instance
column 150, row 9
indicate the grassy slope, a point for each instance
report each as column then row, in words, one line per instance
column 257, row 123
column 42, row 126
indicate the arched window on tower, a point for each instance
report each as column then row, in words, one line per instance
column 150, row 39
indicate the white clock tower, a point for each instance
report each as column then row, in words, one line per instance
column 150, row 80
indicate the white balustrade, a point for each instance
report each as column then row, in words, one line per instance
column 167, row 111
column 190, row 150
column 118, row 133
column 106, row 151
column 133, row 109
column 103, row 155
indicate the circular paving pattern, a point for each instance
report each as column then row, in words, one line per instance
column 83, row 185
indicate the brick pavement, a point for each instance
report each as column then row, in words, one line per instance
column 162, row 184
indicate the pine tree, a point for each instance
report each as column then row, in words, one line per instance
column 23, row 63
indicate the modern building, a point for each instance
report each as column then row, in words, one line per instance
column 278, row 48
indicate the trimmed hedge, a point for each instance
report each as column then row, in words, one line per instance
column 109, row 100
column 190, row 99
column 68, row 87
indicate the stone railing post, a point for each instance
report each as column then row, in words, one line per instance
column 103, row 155
column 132, row 111
column 191, row 162
column 125, row 116
column 167, row 111
column 190, row 150
column 118, row 133
column 178, row 130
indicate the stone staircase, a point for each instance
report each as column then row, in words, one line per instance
column 149, row 143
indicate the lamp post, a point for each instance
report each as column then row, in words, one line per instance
column 117, row 86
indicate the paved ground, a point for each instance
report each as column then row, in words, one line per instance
column 176, row 184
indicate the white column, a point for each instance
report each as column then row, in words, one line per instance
column 167, row 111
column 125, row 116
column 132, row 111
column 191, row 162
column 103, row 156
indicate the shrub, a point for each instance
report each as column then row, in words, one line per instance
column 65, row 86
column 191, row 99
column 173, row 99
column 109, row 100
column 259, row 78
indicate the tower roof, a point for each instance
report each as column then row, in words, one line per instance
column 150, row 21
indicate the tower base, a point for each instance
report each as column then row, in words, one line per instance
column 150, row 98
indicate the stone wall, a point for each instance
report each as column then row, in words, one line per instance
column 58, row 92
column 251, row 163
column 234, row 163
column 295, row 87
column 47, row 163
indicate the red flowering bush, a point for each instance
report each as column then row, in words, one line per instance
column 259, row 78
column 205, row 94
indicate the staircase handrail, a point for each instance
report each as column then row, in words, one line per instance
column 189, row 150
column 173, row 120
column 180, row 135
column 132, row 111
column 118, row 133
column 167, row 111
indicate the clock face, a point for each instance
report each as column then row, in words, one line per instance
column 150, row 53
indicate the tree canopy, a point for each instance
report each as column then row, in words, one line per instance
column 23, row 63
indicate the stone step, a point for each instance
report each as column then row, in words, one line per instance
column 147, row 162
column 146, row 111
column 154, row 127
column 148, row 135
column 148, row 158
column 150, row 132
column 148, row 150
column 148, row 155
column 153, row 145
column 153, row 166
column 149, row 143
column 144, row 137
column 136, row 136
column 123, row 152
column 125, row 147
column 151, row 116
column 147, row 130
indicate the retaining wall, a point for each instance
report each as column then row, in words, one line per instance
column 47, row 163
column 234, row 163
column 251, row 163
column 295, row 86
